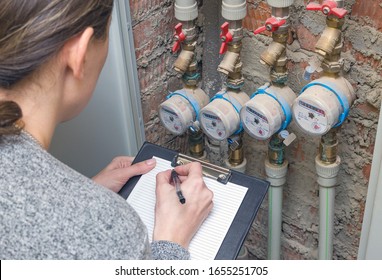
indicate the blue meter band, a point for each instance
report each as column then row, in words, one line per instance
column 340, row 96
column 235, row 104
column 190, row 98
column 282, row 102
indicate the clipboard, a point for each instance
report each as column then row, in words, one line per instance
column 256, row 191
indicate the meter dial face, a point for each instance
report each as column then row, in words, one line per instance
column 172, row 121
column 213, row 126
column 311, row 118
column 256, row 124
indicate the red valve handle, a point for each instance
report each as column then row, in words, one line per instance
column 328, row 8
column 272, row 24
column 179, row 37
column 226, row 37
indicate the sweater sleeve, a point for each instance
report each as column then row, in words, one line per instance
column 165, row 250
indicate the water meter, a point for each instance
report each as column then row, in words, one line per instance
column 220, row 119
column 181, row 109
column 323, row 104
column 268, row 111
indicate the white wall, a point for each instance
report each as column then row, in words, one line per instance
column 371, row 236
column 111, row 125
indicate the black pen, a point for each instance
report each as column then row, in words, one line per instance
column 176, row 180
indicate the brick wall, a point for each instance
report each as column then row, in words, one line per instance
column 153, row 27
column 363, row 69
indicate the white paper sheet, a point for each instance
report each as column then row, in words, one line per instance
column 206, row 242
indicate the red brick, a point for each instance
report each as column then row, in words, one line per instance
column 256, row 16
column 298, row 152
column 367, row 108
column 141, row 32
column 139, row 8
column 368, row 11
column 362, row 205
column 153, row 72
column 158, row 24
column 306, row 38
column 366, row 171
column 376, row 64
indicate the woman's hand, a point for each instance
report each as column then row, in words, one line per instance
column 178, row 222
column 120, row 170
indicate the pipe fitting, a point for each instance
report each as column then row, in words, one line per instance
column 328, row 41
column 235, row 81
column 327, row 173
column 333, row 63
column 276, row 150
column 273, row 53
column 328, row 148
column 183, row 61
column 234, row 9
column 237, row 35
column 186, row 10
column 196, row 142
column 239, row 167
column 279, row 76
column 236, row 159
column 281, row 13
column 276, row 174
column 280, row 3
column 231, row 36
column 229, row 62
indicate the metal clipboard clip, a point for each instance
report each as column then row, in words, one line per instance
column 222, row 175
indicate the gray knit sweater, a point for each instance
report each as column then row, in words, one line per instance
column 49, row 211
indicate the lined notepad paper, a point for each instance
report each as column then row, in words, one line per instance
column 206, row 242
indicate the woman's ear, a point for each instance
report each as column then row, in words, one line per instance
column 76, row 51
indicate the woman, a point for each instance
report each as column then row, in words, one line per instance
column 51, row 54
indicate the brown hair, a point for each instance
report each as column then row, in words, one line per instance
column 33, row 31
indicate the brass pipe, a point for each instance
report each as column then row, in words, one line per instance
column 231, row 66
column 187, row 67
column 328, row 149
column 330, row 45
column 236, row 151
column 328, row 41
column 272, row 53
column 229, row 62
column 275, row 57
column 276, row 150
column 183, row 61
column 196, row 143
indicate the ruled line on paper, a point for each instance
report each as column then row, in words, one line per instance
column 207, row 241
